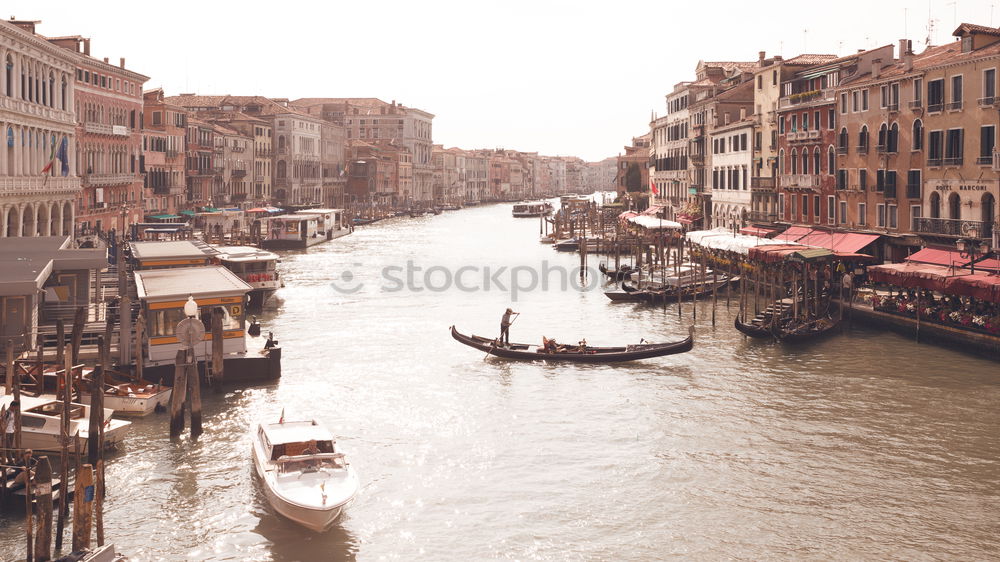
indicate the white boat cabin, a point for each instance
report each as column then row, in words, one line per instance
column 163, row 293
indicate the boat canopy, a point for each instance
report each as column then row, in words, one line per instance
column 296, row 432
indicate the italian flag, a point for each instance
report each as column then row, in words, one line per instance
column 652, row 187
column 52, row 158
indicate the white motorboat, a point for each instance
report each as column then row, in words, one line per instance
column 532, row 209
column 305, row 477
column 133, row 399
column 41, row 420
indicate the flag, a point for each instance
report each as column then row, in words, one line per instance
column 652, row 187
column 64, row 156
column 282, row 418
column 52, row 157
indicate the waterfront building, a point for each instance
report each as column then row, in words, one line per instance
column 237, row 159
column 632, row 177
column 108, row 107
column 256, row 157
column 333, row 162
column 201, row 164
column 959, row 101
column 732, row 164
column 807, row 135
column 165, row 155
column 37, row 121
column 377, row 122
column 715, row 114
column 768, row 77
column 477, row 179
column 372, row 176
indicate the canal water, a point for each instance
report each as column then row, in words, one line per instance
column 862, row 445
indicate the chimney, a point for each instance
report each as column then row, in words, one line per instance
column 876, row 67
column 760, row 58
column 86, row 47
column 105, row 60
column 906, row 53
column 121, row 62
column 743, row 113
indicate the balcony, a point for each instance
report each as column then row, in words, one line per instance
column 762, row 217
column 36, row 185
column 22, row 107
column 259, row 178
column 935, row 107
column 984, row 161
column 238, row 174
column 237, row 149
column 916, row 104
column 168, row 189
column 934, row 162
column 800, row 180
column 862, row 149
column 953, row 161
column 841, row 150
column 892, row 107
column 957, row 228
column 889, row 191
column 762, row 183
column 108, row 179
column 697, row 159
column 264, row 153
column 955, row 106
column 280, row 182
column 206, row 171
column 807, row 98
column 171, row 153
column 988, row 101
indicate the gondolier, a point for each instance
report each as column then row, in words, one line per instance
column 505, row 322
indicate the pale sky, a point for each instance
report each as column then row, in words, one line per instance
column 558, row 77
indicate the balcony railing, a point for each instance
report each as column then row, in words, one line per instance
column 761, row 183
column 916, row 104
column 239, row 173
column 799, row 180
column 935, row 107
column 237, row 148
column 955, row 106
column 892, row 107
column 862, row 149
column 21, row 107
column 988, row 101
column 108, row 179
column 806, row 97
column 953, row 161
column 171, row 153
column 13, row 185
column 952, row 227
column 168, row 189
column 761, row 216
column 258, row 178
column 984, row 161
column 841, row 150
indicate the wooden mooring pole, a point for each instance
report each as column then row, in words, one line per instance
column 218, row 364
column 43, row 493
column 83, row 507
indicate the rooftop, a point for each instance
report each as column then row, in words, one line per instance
column 28, row 262
column 178, row 283
column 171, row 249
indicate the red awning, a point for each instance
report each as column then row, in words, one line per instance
column 912, row 275
column 685, row 220
column 983, row 286
column 757, row 231
column 652, row 210
column 851, row 242
column 938, row 256
column 992, row 264
column 793, row 233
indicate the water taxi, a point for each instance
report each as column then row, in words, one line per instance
column 305, row 477
column 41, row 423
column 532, row 209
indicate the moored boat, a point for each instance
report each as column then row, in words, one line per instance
column 41, row 423
column 305, row 477
column 255, row 266
column 581, row 353
column 133, row 399
column 532, row 209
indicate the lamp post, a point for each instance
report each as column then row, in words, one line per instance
column 972, row 248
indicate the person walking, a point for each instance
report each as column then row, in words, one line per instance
column 505, row 322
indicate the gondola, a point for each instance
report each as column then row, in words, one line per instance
column 796, row 333
column 753, row 330
column 623, row 272
column 575, row 354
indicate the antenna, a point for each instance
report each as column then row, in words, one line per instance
column 805, row 34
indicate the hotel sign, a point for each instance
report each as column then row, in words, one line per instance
column 957, row 185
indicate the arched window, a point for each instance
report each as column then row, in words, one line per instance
column 830, row 160
column 281, row 169
column 281, row 142
column 989, row 214
column 918, row 135
column 816, row 160
column 842, row 140
column 64, row 95
column 44, row 94
column 882, row 131
column 863, row 138
column 795, row 161
column 805, row 160
column 893, row 140
column 9, row 77
column 954, row 206
column 935, row 205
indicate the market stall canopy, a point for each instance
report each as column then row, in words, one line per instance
column 979, row 285
column 840, row 242
column 991, row 264
column 723, row 239
column 257, row 210
column 652, row 210
column 164, row 217
column 757, row 231
column 793, row 233
column 651, row 223
column 788, row 252
column 912, row 275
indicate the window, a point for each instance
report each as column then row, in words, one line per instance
column 880, row 216
column 913, row 184
column 884, row 100
column 816, row 208
column 842, row 140
column 781, row 161
column 805, row 160
column 805, row 121
column 863, row 139
column 880, row 180
column 816, row 120
column 893, row 217
column 918, row 92
column 843, row 212
column 760, row 82
column 157, row 118
column 795, row 122
column 864, row 100
column 841, row 179
column 989, row 85
column 829, row 118
column 953, row 147
column 781, row 125
column 854, row 102
column 935, row 95
column 781, row 204
column 956, row 92
column 805, row 208
column 987, row 138
column 816, row 161
column 935, row 148
column 914, row 217
column 862, row 214
column 774, row 77
column 830, row 160
column 795, row 201
column 843, row 102
column 831, row 208
column 892, row 142
column 918, row 135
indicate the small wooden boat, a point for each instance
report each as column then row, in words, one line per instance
column 358, row 221
column 132, row 398
column 41, row 422
column 574, row 353
column 792, row 331
column 305, row 477
column 532, row 209
column 622, row 273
